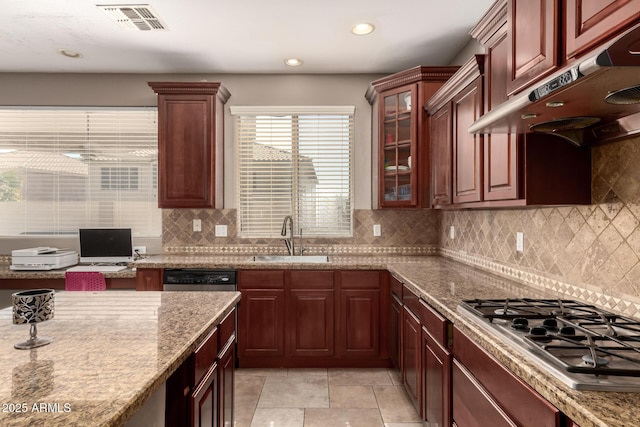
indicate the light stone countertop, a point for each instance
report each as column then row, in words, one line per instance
column 111, row 350
column 444, row 283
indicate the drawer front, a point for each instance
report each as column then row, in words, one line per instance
column 396, row 287
column 520, row 401
column 260, row 279
column 471, row 404
column 311, row 279
column 227, row 329
column 360, row 279
column 411, row 301
column 435, row 324
column 205, row 355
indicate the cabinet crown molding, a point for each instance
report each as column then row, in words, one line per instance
column 468, row 72
column 420, row 73
column 495, row 17
column 207, row 88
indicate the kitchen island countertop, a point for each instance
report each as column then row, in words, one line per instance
column 110, row 352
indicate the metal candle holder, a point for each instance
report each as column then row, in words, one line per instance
column 33, row 307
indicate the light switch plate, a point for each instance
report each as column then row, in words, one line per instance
column 377, row 230
column 197, row 225
column 221, row 230
column 452, row 232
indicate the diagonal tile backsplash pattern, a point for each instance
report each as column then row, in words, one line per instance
column 403, row 231
column 594, row 247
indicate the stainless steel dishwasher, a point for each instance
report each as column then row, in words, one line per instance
column 199, row 279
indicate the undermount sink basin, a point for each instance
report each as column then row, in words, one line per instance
column 307, row 259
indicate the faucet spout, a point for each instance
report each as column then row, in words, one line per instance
column 289, row 243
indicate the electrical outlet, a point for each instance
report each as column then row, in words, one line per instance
column 520, row 241
column 140, row 250
column 452, row 232
column 377, row 231
column 197, row 225
column 221, row 230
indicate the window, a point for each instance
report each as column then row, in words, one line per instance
column 294, row 161
column 67, row 168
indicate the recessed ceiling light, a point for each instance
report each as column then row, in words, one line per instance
column 293, row 62
column 363, row 29
column 70, row 53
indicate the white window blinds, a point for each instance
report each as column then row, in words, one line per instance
column 67, row 168
column 294, row 161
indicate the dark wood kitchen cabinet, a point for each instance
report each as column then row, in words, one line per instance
column 313, row 318
column 484, row 392
column 403, row 171
column 190, row 143
column 532, row 38
column 436, row 367
column 589, row 23
column 148, row 279
column 310, row 314
column 411, row 356
column 361, row 314
column 395, row 323
column 453, row 108
column 200, row 392
column 261, row 314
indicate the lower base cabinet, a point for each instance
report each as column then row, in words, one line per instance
column 313, row 318
column 436, row 379
column 200, row 392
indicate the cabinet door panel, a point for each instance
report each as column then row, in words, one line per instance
column 261, row 323
column 360, row 322
column 149, row 279
column 441, row 155
column 467, row 108
column 395, row 332
column 589, row 22
column 437, row 382
column 311, row 323
column 411, row 356
column 204, row 400
column 226, row 390
column 533, row 32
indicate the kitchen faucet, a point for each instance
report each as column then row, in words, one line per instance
column 289, row 243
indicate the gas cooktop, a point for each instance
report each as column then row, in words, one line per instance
column 584, row 346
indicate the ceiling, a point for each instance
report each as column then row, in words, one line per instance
column 236, row 36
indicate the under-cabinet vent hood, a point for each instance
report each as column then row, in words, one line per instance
column 597, row 98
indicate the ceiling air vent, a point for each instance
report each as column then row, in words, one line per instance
column 134, row 17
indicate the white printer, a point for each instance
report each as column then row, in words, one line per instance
column 42, row 258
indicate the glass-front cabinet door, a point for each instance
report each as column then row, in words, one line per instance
column 398, row 148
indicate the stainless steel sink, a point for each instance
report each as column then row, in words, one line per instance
column 307, row 259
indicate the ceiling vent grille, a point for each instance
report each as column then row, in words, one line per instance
column 134, row 17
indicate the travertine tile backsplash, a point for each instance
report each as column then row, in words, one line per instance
column 403, row 231
column 595, row 247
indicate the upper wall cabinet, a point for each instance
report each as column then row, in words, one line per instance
column 591, row 22
column 456, row 159
column 401, row 179
column 532, row 39
column 190, row 144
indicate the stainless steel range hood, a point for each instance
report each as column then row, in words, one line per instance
column 587, row 101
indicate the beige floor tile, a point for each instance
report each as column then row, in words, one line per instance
column 278, row 417
column 316, row 417
column 404, row 425
column 262, row 372
column 352, row 396
column 359, row 376
column 247, row 392
column 395, row 376
column 307, row 372
column 295, row 392
column 395, row 405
